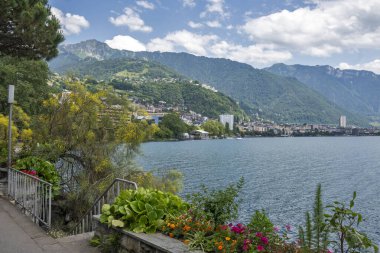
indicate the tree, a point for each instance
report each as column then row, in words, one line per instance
column 214, row 127
column 174, row 123
column 28, row 29
column 30, row 80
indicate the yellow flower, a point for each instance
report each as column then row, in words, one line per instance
column 172, row 226
column 228, row 238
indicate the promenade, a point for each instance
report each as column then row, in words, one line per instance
column 18, row 234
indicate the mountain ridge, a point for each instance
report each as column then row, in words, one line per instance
column 259, row 92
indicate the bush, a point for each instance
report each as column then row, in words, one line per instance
column 142, row 210
column 220, row 205
column 40, row 168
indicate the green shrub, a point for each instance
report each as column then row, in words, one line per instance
column 45, row 170
column 220, row 205
column 142, row 210
column 260, row 222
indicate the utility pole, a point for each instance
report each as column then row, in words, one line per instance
column 11, row 98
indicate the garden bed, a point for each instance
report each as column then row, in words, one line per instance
column 131, row 242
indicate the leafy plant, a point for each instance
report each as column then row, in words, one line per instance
column 42, row 169
column 142, row 210
column 343, row 221
column 109, row 243
column 260, row 222
column 315, row 236
column 220, row 205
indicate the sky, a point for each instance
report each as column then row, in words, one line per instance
column 339, row 33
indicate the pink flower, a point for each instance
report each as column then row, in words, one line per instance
column 288, row 227
column 264, row 240
column 276, row 228
column 238, row 229
column 259, row 234
column 245, row 247
column 260, row 248
column 329, row 251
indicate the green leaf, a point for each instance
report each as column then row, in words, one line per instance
column 106, row 208
column 122, row 210
column 152, row 216
column 148, row 207
column 135, row 206
column 143, row 220
column 117, row 223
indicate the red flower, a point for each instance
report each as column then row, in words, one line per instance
column 264, row 240
column 260, row 248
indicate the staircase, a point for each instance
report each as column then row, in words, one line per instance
column 85, row 224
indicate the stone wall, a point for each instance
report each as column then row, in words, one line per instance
column 141, row 242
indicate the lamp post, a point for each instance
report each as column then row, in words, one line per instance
column 11, row 98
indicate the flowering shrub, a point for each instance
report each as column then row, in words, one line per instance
column 40, row 168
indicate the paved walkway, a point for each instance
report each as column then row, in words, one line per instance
column 18, row 234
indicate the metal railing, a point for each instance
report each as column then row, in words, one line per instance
column 108, row 197
column 32, row 195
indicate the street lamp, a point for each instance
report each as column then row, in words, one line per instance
column 11, row 100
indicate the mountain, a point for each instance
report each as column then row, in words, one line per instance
column 150, row 83
column 355, row 91
column 260, row 93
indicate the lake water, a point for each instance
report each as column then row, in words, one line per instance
column 281, row 174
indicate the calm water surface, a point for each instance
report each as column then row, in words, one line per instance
column 281, row 174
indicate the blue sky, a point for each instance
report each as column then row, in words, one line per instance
column 340, row 33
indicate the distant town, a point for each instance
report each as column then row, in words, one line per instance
column 258, row 127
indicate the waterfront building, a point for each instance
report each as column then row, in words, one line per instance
column 342, row 121
column 227, row 118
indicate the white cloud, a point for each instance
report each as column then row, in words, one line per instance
column 183, row 41
column 131, row 19
column 212, row 46
column 257, row 55
column 125, row 43
column 145, row 4
column 213, row 24
column 195, row 25
column 329, row 28
column 162, row 45
column 215, row 7
column 373, row 66
column 189, row 3
column 70, row 23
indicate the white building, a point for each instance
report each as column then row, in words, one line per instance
column 342, row 121
column 227, row 118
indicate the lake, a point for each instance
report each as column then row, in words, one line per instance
column 281, row 174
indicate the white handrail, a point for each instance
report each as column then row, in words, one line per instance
column 32, row 195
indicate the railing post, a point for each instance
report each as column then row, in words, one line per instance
column 50, row 196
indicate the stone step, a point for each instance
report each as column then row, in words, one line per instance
column 78, row 243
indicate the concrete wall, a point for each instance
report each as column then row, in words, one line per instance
column 141, row 242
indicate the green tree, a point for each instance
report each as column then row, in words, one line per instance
column 81, row 127
column 28, row 29
column 173, row 122
column 30, row 86
column 214, row 127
